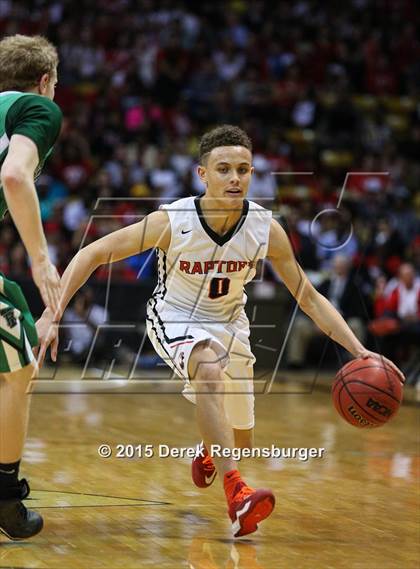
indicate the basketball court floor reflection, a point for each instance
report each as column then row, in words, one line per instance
column 356, row 507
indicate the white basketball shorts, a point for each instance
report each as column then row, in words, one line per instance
column 174, row 334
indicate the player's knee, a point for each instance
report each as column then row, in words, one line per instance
column 204, row 366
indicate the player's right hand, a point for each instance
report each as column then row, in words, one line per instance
column 368, row 354
column 47, row 331
column 47, row 280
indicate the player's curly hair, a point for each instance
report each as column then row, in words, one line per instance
column 24, row 60
column 225, row 135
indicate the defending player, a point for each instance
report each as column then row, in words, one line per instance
column 208, row 248
column 29, row 125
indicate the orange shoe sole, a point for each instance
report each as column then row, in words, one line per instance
column 255, row 510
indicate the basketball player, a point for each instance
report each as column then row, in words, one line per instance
column 208, row 248
column 29, row 125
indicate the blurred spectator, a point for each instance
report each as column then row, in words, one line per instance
column 139, row 83
column 387, row 246
column 303, row 246
column 81, row 321
column 403, row 216
column 304, row 111
column 336, row 237
column 263, row 182
column 414, row 253
column 345, row 291
column 7, row 239
column 341, row 124
column 403, row 298
column 19, row 266
column 397, row 308
column 229, row 61
column 163, row 179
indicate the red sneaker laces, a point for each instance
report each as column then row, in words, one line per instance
column 241, row 491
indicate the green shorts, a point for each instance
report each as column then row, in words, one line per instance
column 17, row 328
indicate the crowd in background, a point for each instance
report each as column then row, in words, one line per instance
column 322, row 89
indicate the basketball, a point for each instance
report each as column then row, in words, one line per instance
column 367, row 392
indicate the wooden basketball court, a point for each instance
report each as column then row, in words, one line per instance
column 355, row 507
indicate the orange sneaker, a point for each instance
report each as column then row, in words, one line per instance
column 203, row 471
column 248, row 507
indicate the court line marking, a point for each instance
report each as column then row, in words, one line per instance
column 145, row 502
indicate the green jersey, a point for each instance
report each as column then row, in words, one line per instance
column 39, row 119
column 31, row 115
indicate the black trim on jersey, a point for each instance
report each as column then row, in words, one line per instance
column 16, row 343
column 162, row 345
column 162, row 290
column 24, row 353
column 164, row 276
column 162, row 326
column 221, row 239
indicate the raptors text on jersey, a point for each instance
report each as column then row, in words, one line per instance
column 203, row 274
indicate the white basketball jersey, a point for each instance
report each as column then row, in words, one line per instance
column 203, row 274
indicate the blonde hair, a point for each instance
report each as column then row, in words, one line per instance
column 24, row 60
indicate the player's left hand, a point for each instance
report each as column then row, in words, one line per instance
column 47, row 331
column 368, row 354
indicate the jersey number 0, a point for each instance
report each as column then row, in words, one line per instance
column 219, row 287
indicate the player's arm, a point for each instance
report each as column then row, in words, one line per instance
column 314, row 304
column 17, row 178
column 152, row 231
